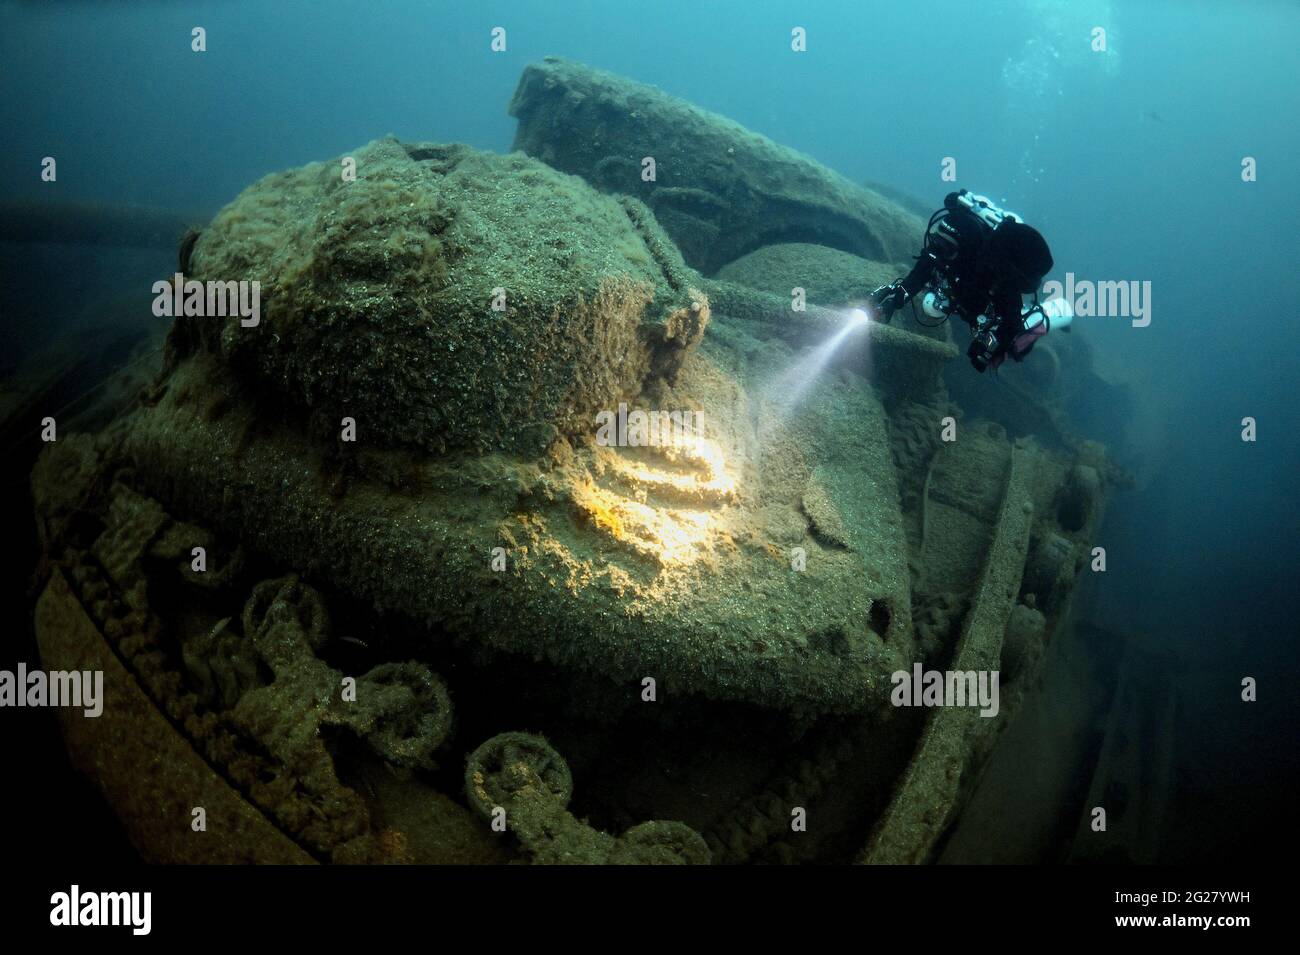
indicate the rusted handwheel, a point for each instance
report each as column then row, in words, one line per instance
column 512, row 764
column 411, row 713
column 287, row 600
column 661, row 843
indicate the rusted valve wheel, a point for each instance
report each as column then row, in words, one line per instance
column 510, row 765
column 412, row 714
column 661, row 843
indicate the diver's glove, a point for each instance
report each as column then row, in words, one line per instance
column 889, row 299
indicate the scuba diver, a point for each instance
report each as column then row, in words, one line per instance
column 976, row 262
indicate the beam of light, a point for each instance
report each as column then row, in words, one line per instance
column 694, row 453
column 791, row 386
column 693, row 472
column 664, row 500
column 670, row 535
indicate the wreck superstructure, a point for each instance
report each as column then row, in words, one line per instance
column 430, row 599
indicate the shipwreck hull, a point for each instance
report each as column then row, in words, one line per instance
column 425, row 551
column 641, row 651
column 720, row 190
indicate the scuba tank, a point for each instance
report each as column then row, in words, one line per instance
column 982, row 208
column 941, row 242
column 1057, row 312
column 936, row 304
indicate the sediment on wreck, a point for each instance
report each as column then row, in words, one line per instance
column 953, row 742
column 477, row 431
column 720, row 190
column 451, row 298
column 471, row 315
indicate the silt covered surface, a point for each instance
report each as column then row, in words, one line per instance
column 767, row 575
column 719, row 189
column 715, row 567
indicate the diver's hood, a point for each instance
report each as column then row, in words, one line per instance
column 1023, row 252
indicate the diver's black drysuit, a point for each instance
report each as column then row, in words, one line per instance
column 984, row 271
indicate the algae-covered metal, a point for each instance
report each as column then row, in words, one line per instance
column 454, row 564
